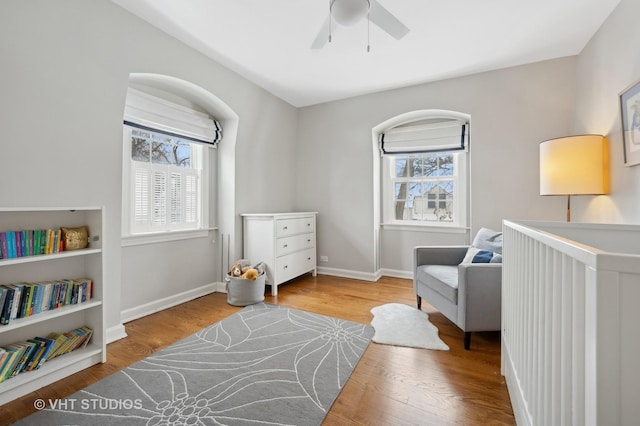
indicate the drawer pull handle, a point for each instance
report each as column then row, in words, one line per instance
column 285, row 246
column 285, row 266
column 285, row 228
column 309, row 240
column 308, row 258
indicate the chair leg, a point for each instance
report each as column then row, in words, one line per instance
column 419, row 301
column 467, row 340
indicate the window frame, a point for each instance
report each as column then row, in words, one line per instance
column 460, row 200
column 130, row 235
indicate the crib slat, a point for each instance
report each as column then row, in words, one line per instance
column 550, row 330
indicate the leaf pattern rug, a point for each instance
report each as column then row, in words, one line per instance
column 264, row 365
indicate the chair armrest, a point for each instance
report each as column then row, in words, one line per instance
column 438, row 255
column 479, row 296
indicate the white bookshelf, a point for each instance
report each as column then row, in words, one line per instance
column 85, row 263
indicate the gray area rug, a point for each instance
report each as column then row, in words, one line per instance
column 264, row 365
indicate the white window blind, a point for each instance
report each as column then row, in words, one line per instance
column 426, row 136
column 169, row 200
column 141, row 196
column 191, row 199
column 154, row 114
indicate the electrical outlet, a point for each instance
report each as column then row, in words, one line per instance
column 324, row 258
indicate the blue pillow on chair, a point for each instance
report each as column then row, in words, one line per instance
column 476, row 255
column 483, row 256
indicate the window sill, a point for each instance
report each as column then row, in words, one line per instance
column 162, row 237
column 445, row 229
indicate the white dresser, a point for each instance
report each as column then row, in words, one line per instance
column 285, row 242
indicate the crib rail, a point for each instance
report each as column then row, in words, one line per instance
column 563, row 315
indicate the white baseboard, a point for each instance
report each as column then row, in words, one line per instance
column 518, row 402
column 167, row 302
column 346, row 273
column 221, row 287
column 396, row 273
column 116, row 332
column 365, row 276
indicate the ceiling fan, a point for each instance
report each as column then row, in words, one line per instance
column 348, row 12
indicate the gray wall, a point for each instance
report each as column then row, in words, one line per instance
column 608, row 65
column 512, row 111
column 65, row 70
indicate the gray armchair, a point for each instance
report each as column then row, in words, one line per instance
column 468, row 294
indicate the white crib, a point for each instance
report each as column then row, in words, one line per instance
column 571, row 323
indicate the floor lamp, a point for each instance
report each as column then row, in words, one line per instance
column 574, row 165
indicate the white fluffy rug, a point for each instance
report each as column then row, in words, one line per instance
column 402, row 325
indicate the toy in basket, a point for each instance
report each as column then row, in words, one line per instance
column 245, row 283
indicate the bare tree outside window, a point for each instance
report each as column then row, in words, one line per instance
column 424, row 187
column 160, row 149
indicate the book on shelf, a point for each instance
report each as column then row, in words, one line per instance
column 3, row 245
column 22, row 300
column 31, row 354
column 14, row 355
column 49, row 344
column 6, row 303
column 30, row 242
column 3, row 357
column 59, row 340
column 3, row 297
column 16, row 300
column 11, row 244
column 35, row 355
column 17, row 243
column 29, row 349
column 70, row 341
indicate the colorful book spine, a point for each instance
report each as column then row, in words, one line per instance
column 23, row 243
column 16, row 300
column 7, row 306
column 46, row 241
column 3, row 297
column 18, row 243
column 13, row 359
column 30, row 240
column 11, row 244
column 43, row 238
column 25, row 299
column 56, row 241
column 3, row 245
column 28, row 351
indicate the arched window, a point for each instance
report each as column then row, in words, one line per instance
column 166, row 166
column 424, row 169
column 168, row 161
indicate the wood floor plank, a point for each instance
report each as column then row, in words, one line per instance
column 391, row 385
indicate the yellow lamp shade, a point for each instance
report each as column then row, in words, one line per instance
column 574, row 165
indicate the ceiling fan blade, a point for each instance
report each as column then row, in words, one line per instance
column 386, row 21
column 323, row 35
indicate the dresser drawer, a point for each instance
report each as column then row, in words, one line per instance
column 294, row 264
column 286, row 227
column 288, row 245
column 285, row 242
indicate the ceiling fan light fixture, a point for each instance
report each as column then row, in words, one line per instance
column 348, row 12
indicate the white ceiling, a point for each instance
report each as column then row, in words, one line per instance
column 269, row 41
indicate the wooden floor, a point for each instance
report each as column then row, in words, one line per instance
column 390, row 386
